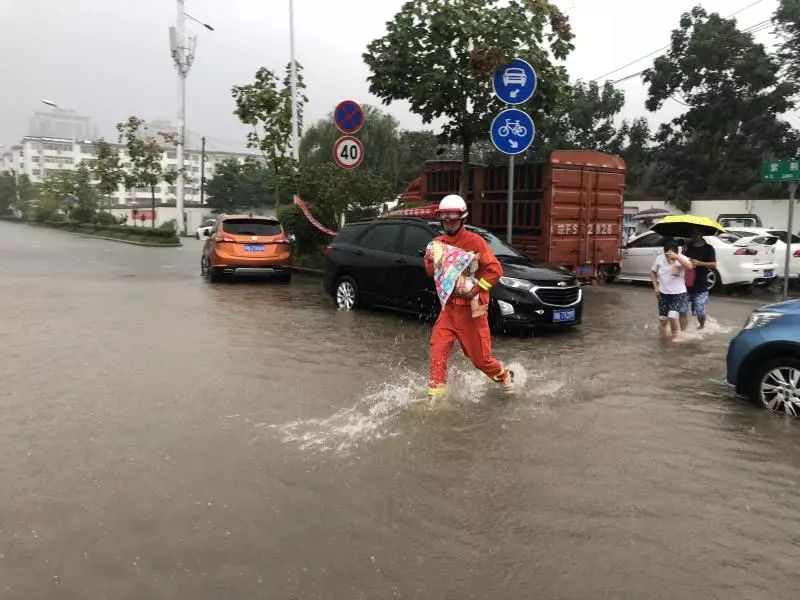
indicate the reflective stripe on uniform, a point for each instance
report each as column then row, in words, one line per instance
column 499, row 376
column 485, row 285
column 437, row 391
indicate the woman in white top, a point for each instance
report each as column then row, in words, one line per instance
column 667, row 274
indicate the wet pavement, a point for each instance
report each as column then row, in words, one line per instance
column 166, row 438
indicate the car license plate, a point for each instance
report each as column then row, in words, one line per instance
column 769, row 273
column 254, row 248
column 563, row 316
column 584, row 270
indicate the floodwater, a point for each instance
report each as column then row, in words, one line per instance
column 166, row 438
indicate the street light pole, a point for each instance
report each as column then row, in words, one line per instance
column 295, row 127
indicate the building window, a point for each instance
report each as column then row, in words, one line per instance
column 172, row 155
column 86, row 149
column 36, row 159
column 58, row 147
column 37, row 172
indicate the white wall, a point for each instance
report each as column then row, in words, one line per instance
column 773, row 213
column 194, row 216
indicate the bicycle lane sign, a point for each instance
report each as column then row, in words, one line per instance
column 512, row 131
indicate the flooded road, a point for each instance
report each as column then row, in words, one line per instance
column 165, row 438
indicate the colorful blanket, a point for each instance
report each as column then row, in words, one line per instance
column 449, row 263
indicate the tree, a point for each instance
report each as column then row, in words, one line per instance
column 73, row 191
column 330, row 192
column 8, row 192
column 439, row 55
column 145, row 152
column 787, row 28
column 27, row 194
column 107, row 169
column 267, row 108
column 395, row 155
column 635, row 141
column 733, row 96
column 239, row 185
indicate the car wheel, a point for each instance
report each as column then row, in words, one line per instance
column 196, row 235
column 346, row 294
column 714, row 280
column 776, row 385
column 215, row 275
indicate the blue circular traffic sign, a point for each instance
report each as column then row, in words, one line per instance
column 515, row 82
column 348, row 116
column 512, row 131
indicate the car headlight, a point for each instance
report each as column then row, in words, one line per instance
column 759, row 319
column 516, row 284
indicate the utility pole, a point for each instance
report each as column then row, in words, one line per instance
column 202, row 170
column 183, row 54
column 295, row 127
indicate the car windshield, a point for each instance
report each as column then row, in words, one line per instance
column 251, row 227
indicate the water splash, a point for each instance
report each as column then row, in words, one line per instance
column 370, row 418
column 376, row 415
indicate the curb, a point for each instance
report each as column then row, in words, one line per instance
column 307, row 271
column 108, row 239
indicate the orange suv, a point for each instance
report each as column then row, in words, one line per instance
column 246, row 242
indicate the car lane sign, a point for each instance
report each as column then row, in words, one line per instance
column 515, row 82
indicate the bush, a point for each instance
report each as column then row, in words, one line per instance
column 105, row 218
column 171, row 226
column 82, row 214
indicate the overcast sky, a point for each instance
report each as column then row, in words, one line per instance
column 108, row 59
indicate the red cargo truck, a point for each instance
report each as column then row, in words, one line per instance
column 567, row 211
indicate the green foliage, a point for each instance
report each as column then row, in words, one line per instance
column 787, row 28
column 397, row 156
column 105, row 218
column 439, row 56
column 8, row 192
column 238, row 185
column 733, row 97
column 329, row 192
column 107, row 169
column 266, row 105
column 145, row 152
column 71, row 191
column 171, row 226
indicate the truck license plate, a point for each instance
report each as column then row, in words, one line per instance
column 769, row 273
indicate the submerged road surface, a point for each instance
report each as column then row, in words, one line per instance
column 165, row 438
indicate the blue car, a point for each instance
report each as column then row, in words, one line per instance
column 764, row 358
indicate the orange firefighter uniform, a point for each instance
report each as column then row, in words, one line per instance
column 456, row 322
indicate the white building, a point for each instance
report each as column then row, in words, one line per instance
column 39, row 157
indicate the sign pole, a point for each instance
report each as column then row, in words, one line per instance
column 510, row 216
column 792, row 190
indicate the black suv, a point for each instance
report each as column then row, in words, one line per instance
column 379, row 263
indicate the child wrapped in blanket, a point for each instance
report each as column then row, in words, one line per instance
column 466, row 283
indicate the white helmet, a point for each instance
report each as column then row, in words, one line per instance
column 452, row 204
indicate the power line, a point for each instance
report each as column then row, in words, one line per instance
column 667, row 47
column 757, row 28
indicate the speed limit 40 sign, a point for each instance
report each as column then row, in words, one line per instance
column 348, row 152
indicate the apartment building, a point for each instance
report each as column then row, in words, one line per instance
column 41, row 156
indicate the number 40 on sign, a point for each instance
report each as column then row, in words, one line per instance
column 348, row 152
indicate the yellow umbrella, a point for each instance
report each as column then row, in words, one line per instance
column 682, row 226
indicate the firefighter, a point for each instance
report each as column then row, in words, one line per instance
column 455, row 321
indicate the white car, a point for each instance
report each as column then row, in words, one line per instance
column 204, row 231
column 780, row 247
column 740, row 261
